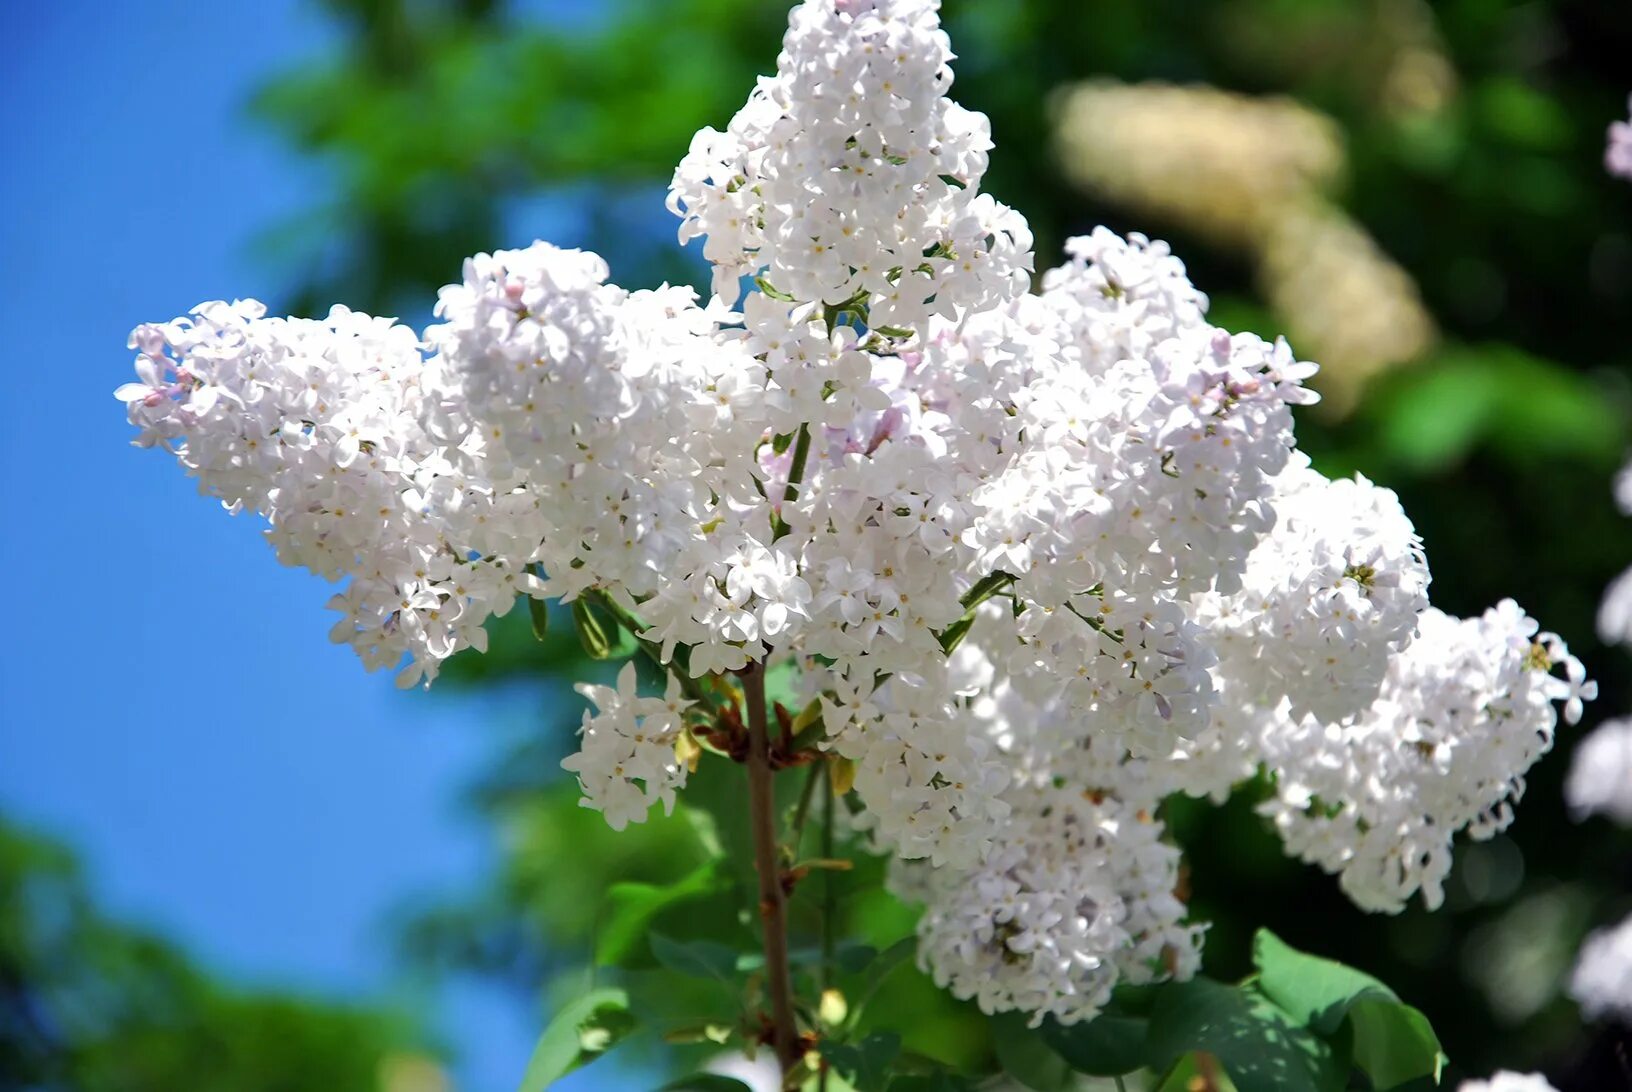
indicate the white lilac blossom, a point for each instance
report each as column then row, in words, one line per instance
column 1079, row 894
column 1038, row 561
column 627, row 758
column 1600, row 778
column 1602, row 981
column 317, row 426
column 1462, row 713
column 851, row 173
column 1330, row 596
column 1505, row 1080
column 1600, row 781
column 1618, row 152
column 1615, row 611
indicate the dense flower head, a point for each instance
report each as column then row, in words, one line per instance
column 1462, row 713
column 316, row 425
column 1329, row 596
column 1037, row 561
column 1078, row 896
column 850, row 173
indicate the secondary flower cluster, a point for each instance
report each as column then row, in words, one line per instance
column 1600, row 778
column 1039, row 561
column 323, row 427
column 1508, row 1081
column 1602, row 980
column 1618, row 152
column 1600, row 782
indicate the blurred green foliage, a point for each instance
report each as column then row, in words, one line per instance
column 90, row 1005
column 449, row 128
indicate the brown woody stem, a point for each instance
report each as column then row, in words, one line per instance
column 773, row 909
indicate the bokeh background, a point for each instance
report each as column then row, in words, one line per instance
column 230, row 860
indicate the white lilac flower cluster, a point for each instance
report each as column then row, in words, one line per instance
column 1602, row 981
column 1601, row 767
column 1600, row 783
column 627, row 761
column 850, row 173
column 321, row 426
column 1505, row 1080
column 1462, row 713
column 1618, row 152
column 1615, row 610
column 1039, row 561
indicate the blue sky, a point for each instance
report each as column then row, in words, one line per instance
column 169, row 704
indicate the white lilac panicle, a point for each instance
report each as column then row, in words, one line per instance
column 1464, row 711
column 1618, row 152
column 851, row 173
column 316, row 425
column 1040, row 560
column 1602, row 980
column 1600, row 781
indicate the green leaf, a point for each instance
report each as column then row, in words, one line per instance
column 928, row 1082
column 1260, row 1046
column 1135, row 1000
column 851, row 957
column 1548, row 410
column 1109, row 1045
column 581, row 1031
column 632, row 906
column 696, row 958
column 952, row 636
column 1313, row 991
column 705, row 1082
column 1521, row 116
column 1524, row 408
column 1026, row 1056
column 866, row 1063
column 1392, row 1043
column 888, row 960
column 592, row 632
column 1438, row 415
column 855, row 958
